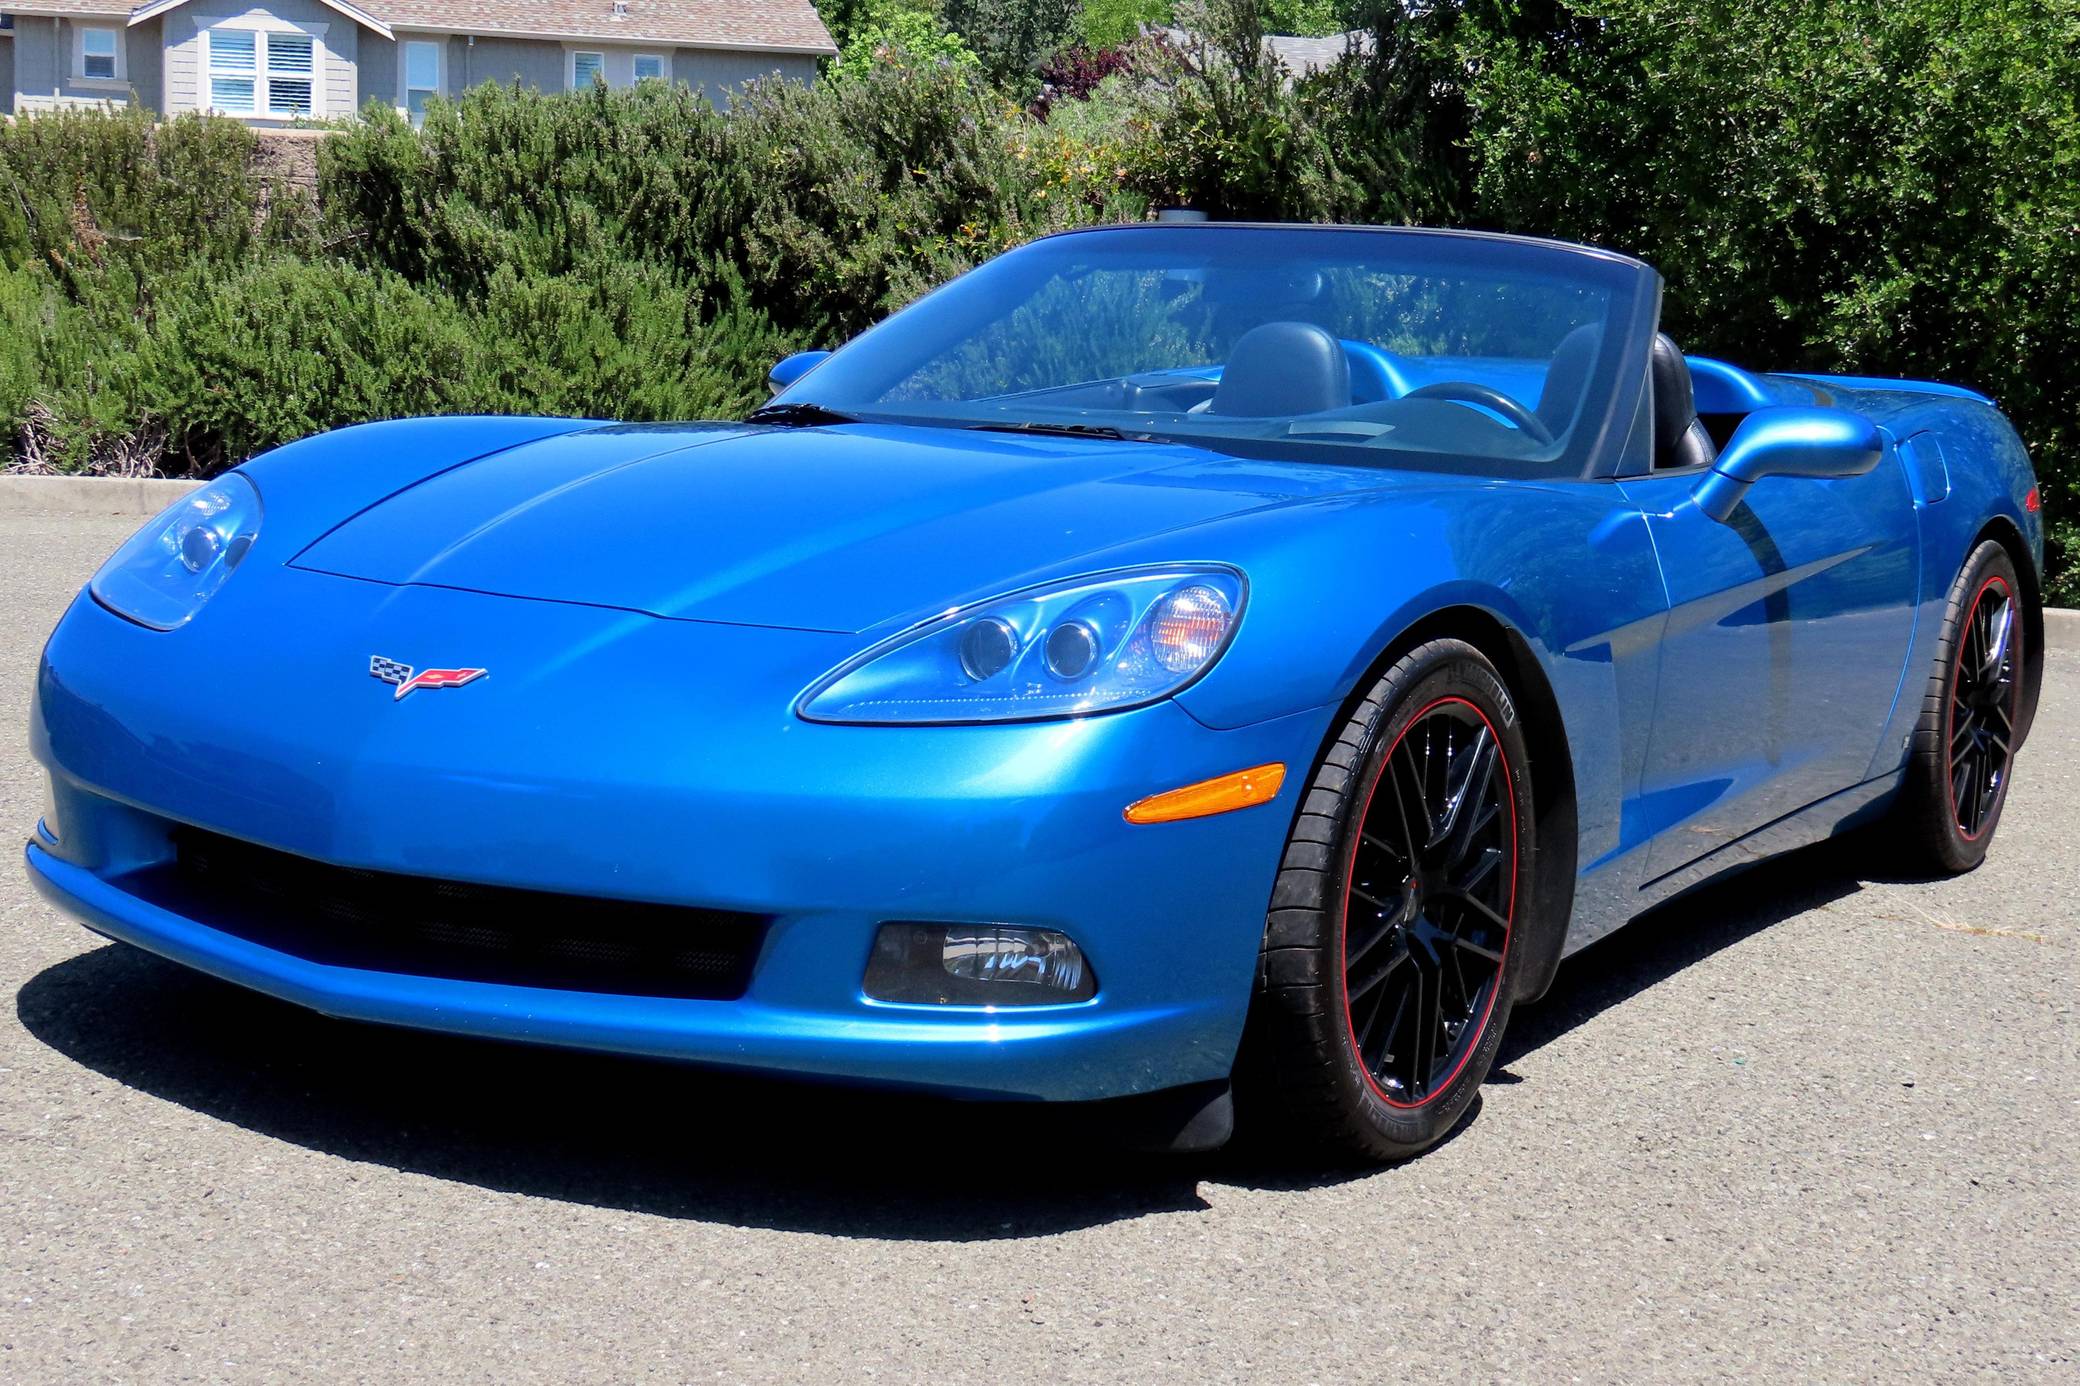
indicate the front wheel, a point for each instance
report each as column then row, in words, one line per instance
column 1390, row 954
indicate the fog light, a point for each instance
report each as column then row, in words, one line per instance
column 977, row 965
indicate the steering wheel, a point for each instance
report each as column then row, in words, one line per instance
column 1470, row 392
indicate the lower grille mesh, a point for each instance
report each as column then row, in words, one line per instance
column 434, row 928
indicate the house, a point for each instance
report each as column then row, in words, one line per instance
column 272, row 62
column 1299, row 55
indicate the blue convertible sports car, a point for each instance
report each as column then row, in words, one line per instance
column 1223, row 667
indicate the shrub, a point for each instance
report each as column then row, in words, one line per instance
column 1076, row 72
column 857, row 196
column 87, row 188
column 831, row 204
column 1883, row 188
column 289, row 349
column 69, row 374
column 512, row 178
column 621, row 341
column 28, row 304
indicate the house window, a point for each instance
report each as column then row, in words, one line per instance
column 587, row 68
column 255, row 72
column 292, row 69
column 422, row 76
column 234, row 62
column 649, row 67
column 97, row 54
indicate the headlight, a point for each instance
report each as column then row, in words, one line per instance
column 178, row 561
column 1092, row 644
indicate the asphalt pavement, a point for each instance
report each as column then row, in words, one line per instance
column 1816, row 1123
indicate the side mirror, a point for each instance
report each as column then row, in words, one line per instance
column 793, row 368
column 1788, row 441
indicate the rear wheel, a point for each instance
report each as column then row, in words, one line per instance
column 1964, row 746
column 1389, row 964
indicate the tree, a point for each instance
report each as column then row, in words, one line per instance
column 1109, row 23
column 896, row 31
column 1013, row 37
column 1875, row 186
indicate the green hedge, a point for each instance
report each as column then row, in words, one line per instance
column 1886, row 186
column 615, row 254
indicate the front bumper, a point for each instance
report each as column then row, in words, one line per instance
column 600, row 757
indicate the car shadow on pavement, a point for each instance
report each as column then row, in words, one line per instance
column 600, row 1129
column 1679, row 934
column 749, row 1150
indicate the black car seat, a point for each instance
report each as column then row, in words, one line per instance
column 1283, row 368
column 1567, row 377
column 1680, row 439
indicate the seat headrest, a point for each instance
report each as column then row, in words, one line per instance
column 1567, row 376
column 1675, row 402
column 1282, row 368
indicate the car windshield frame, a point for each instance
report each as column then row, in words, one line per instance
column 856, row 380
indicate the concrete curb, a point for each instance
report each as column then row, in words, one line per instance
column 145, row 497
column 142, row 497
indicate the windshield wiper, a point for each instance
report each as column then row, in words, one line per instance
column 1066, row 430
column 797, row 415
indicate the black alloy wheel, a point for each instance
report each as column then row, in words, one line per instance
column 1427, row 911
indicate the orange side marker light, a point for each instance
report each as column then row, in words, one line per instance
column 1240, row 790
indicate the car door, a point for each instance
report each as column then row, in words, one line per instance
column 1782, row 657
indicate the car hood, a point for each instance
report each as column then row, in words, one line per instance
column 830, row 529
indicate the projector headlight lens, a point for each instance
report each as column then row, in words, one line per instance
column 988, row 648
column 1093, row 644
column 177, row 562
column 1072, row 648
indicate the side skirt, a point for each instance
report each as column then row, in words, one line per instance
column 1816, row 822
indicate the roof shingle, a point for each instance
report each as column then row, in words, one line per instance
column 724, row 23
column 755, row 24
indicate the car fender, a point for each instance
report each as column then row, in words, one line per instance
column 1335, row 582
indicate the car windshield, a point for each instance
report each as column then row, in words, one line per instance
column 1389, row 348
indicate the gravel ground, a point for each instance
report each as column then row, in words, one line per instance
column 1812, row 1123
